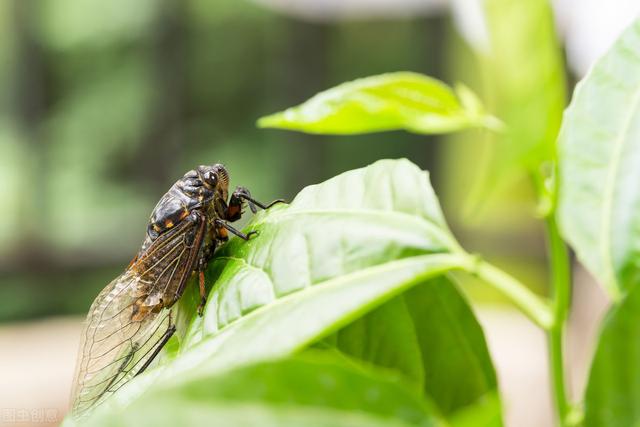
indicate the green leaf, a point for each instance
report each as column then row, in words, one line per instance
column 613, row 391
column 458, row 368
column 599, row 195
column 386, row 338
column 525, row 83
column 311, row 389
column 362, row 218
column 392, row 101
column 484, row 413
column 430, row 335
column 339, row 250
column 293, row 322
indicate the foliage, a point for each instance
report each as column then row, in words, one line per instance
column 527, row 87
column 600, row 149
column 597, row 209
column 599, row 213
column 347, row 268
column 277, row 393
column 343, row 311
column 403, row 100
column 614, row 383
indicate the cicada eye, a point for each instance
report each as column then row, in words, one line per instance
column 211, row 178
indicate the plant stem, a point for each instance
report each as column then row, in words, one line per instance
column 554, row 339
column 561, row 295
column 532, row 305
column 560, row 273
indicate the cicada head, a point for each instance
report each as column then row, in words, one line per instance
column 216, row 179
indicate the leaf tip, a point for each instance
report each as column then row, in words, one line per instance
column 270, row 121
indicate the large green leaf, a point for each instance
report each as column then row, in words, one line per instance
column 613, row 392
column 392, row 101
column 430, row 335
column 312, row 389
column 295, row 321
column 599, row 195
column 340, row 250
column 359, row 219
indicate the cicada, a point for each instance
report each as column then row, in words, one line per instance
column 131, row 319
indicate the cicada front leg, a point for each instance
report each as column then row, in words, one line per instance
column 234, row 210
column 223, row 227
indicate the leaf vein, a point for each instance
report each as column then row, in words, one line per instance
column 609, row 194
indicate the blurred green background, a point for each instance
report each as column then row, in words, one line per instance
column 103, row 105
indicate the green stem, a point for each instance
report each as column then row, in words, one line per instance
column 560, row 273
column 554, row 339
column 533, row 306
column 561, row 295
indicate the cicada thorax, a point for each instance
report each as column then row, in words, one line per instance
column 187, row 194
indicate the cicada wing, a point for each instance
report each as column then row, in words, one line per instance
column 113, row 346
column 127, row 322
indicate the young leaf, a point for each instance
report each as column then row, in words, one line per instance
column 392, row 101
column 311, row 389
column 525, row 80
column 599, row 195
column 527, row 75
column 430, row 335
column 613, row 392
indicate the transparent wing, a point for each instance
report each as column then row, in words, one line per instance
column 128, row 320
column 114, row 347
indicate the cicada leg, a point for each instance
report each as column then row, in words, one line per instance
column 203, row 293
column 165, row 338
column 221, row 224
column 233, row 213
column 203, row 260
column 240, row 194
